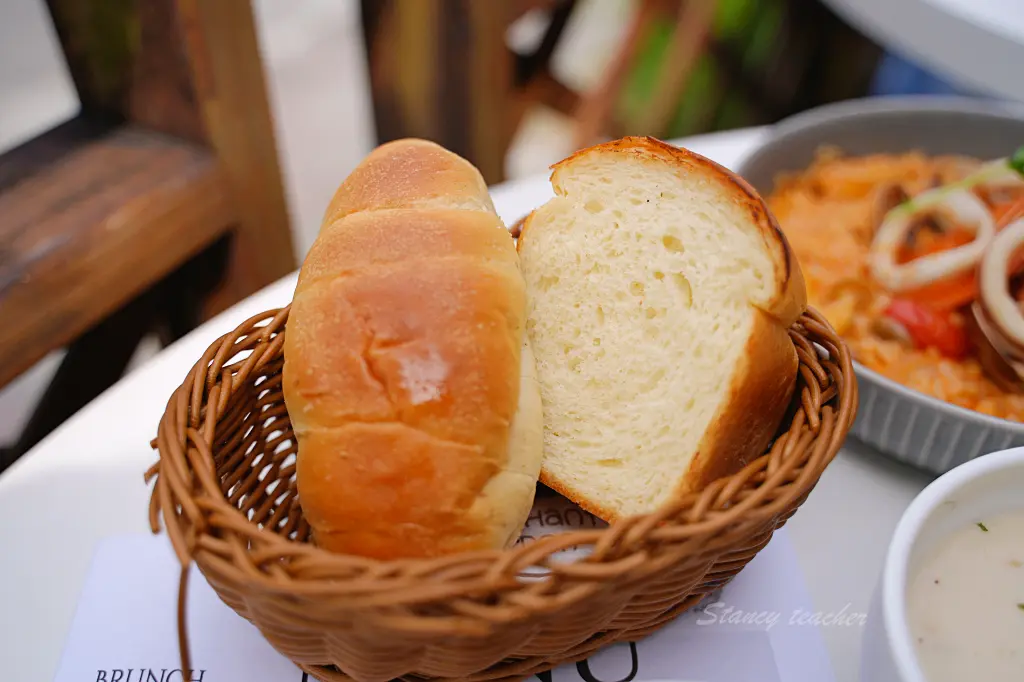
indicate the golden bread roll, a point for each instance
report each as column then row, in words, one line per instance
column 408, row 377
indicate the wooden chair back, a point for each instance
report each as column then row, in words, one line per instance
column 157, row 206
column 441, row 70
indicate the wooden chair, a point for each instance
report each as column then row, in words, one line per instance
column 757, row 62
column 692, row 20
column 158, row 206
column 441, row 70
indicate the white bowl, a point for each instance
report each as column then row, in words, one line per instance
column 978, row 489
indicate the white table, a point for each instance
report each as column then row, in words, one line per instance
column 84, row 482
column 978, row 43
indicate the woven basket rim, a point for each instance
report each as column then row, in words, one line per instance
column 225, row 438
column 689, row 516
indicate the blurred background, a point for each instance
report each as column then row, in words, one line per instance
column 162, row 159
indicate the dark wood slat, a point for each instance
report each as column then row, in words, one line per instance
column 491, row 87
column 537, row 62
column 81, row 238
column 29, row 158
column 99, row 358
column 224, row 59
column 163, row 96
column 97, row 44
column 441, row 70
column 94, row 362
column 128, row 62
column 183, row 295
column 453, row 98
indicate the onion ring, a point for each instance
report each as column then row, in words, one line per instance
column 968, row 210
column 994, row 283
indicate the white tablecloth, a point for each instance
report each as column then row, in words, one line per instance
column 84, row 483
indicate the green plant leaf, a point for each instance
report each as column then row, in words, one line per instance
column 1017, row 160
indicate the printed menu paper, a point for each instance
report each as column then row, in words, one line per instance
column 125, row 628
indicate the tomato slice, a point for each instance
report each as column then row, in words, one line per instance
column 928, row 327
column 946, row 294
column 926, row 242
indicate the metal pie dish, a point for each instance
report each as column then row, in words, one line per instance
column 900, row 422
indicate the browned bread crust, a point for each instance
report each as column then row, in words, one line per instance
column 790, row 300
column 403, row 360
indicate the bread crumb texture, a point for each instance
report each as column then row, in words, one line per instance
column 641, row 279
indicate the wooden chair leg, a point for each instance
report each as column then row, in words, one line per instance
column 183, row 297
column 595, row 108
column 223, row 52
column 534, row 82
column 528, row 67
column 439, row 69
column 94, row 362
column 98, row 358
column 689, row 41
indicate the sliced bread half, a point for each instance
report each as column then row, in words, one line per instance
column 660, row 290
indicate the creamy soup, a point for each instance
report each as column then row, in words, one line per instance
column 966, row 604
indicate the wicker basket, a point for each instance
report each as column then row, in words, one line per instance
column 225, row 487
